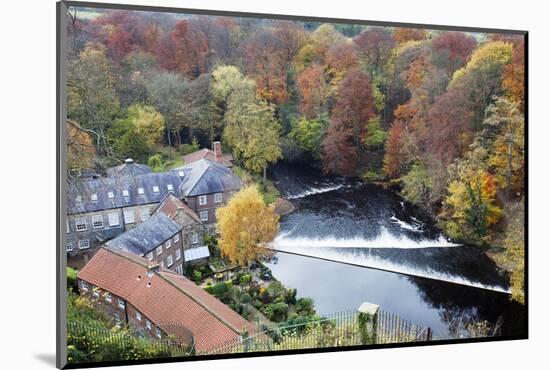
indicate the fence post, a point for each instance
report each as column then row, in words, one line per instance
column 368, row 316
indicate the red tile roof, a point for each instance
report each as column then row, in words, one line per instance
column 171, row 299
column 205, row 153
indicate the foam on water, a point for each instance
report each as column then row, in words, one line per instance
column 384, row 240
column 314, row 190
column 368, row 260
column 404, row 225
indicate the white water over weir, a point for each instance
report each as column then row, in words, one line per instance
column 333, row 248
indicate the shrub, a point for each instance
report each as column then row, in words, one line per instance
column 291, row 296
column 197, row 275
column 245, row 279
column 219, row 289
column 156, row 163
column 245, row 298
column 71, row 279
column 257, row 304
column 305, row 306
column 209, row 289
column 279, row 311
column 189, row 148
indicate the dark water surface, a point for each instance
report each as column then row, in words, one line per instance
column 428, row 279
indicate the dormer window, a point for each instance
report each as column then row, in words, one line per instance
column 93, row 197
column 140, row 191
column 155, row 189
column 170, row 187
column 111, row 195
column 180, row 173
column 125, row 193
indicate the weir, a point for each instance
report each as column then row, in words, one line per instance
column 402, row 270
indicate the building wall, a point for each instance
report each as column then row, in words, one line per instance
column 210, row 206
column 125, row 316
column 162, row 257
column 98, row 236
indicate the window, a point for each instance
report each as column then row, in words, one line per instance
column 159, row 250
column 84, row 286
column 168, row 244
column 125, row 193
column 170, row 187
column 80, row 224
column 155, row 189
column 144, row 213
column 121, row 303
column 108, row 297
column 178, row 254
column 111, row 195
column 162, row 263
column 95, row 289
column 84, row 244
column 176, row 238
column 93, row 197
column 180, row 173
column 202, row 200
column 203, row 215
column 97, row 221
column 138, row 316
column 69, row 246
column 159, row 333
column 68, row 228
column 113, row 219
column 169, row 261
column 148, row 324
column 129, row 217
column 218, row 197
column 195, row 237
column 117, row 319
column 140, row 191
column 150, row 256
column 179, row 269
column 78, row 198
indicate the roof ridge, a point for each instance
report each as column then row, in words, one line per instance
column 194, row 299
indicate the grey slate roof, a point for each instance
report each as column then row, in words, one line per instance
column 146, row 236
column 207, row 177
column 129, row 168
column 102, row 186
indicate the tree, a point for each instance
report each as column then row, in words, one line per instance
column 451, row 50
column 92, row 100
column 148, row 122
column 246, row 226
column 348, row 124
column 254, row 136
column 374, row 46
column 470, row 206
column 513, row 256
column 314, row 91
column 191, row 49
column 266, row 63
column 507, row 160
column 376, row 136
column 401, row 35
column 417, row 186
column 166, row 90
column 395, row 156
column 513, row 79
column 81, row 152
column 309, row 134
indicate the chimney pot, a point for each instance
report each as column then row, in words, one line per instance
column 129, row 160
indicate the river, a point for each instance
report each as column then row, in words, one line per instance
column 372, row 246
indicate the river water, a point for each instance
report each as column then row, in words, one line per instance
column 387, row 253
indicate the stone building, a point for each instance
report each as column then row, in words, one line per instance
column 206, row 186
column 159, row 239
column 158, row 303
column 99, row 209
column 193, row 230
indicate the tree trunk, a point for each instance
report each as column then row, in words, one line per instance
column 265, row 170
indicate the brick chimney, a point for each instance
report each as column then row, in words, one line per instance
column 152, row 267
column 217, row 148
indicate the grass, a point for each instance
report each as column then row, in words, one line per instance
column 267, row 189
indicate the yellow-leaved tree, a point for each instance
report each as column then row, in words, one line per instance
column 246, row 226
